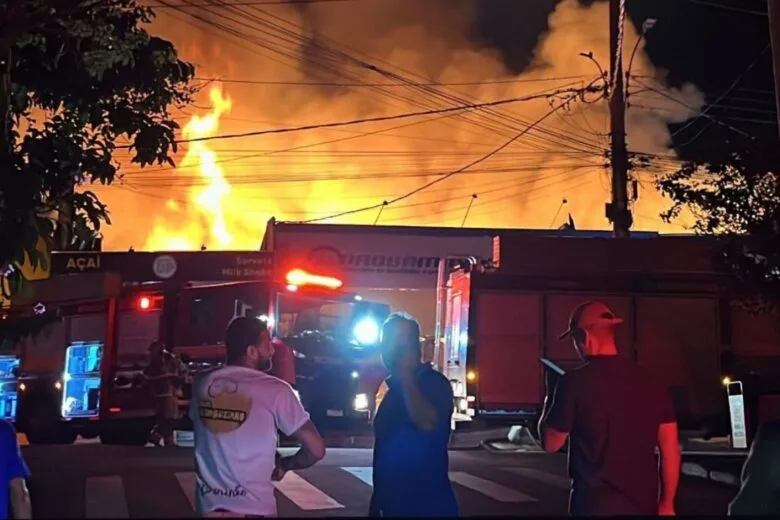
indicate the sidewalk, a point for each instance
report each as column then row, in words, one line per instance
column 712, row 459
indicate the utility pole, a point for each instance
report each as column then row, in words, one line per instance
column 774, row 34
column 617, row 211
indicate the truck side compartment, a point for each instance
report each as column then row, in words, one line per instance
column 679, row 324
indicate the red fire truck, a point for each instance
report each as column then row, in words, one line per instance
column 502, row 317
column 79, row 374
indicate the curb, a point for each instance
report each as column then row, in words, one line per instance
column 692, row 469
column 487, row 445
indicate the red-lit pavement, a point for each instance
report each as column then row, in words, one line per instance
column 95, row 481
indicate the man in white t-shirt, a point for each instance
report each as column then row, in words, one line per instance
column 237, row 411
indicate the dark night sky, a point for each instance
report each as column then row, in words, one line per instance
column 709, row 43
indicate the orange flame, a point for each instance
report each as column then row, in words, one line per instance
column 206, row 202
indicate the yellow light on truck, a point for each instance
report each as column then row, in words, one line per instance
column 726, row 381
column 58, row 385
column 471, row 376
column 22, row 387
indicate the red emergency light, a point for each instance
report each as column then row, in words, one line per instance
column 299, row 277
column 147, row 303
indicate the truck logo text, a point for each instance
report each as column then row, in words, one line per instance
column 379, row 263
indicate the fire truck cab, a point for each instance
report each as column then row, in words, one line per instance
column 332, row 339
column 81, row 374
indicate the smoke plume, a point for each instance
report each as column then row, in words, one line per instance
column 303, row 64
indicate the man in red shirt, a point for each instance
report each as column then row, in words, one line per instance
column 614, row 416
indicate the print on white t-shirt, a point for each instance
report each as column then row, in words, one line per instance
column 236, row 414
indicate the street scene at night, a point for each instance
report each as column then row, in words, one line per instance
column 389, row 258
column 120, row 482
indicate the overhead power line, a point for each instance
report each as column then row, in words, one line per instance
column 396, row 117
column 720, row 98
column 405, row 85
column 246, row 3
column 728, row 7
column 697, row 111
column 283, row 38
column 453, row 173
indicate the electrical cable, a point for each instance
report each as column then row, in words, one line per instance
column 345, row 59
column 727, row 7
column 364, row 120
column 353, row 85
column 253, row 3
column 696, row 111
column 731, row 87
column 451, row 174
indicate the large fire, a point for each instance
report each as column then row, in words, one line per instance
column 205, row 205
column 223, row 191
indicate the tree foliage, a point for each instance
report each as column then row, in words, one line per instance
column 83, row 79
column 733, row 192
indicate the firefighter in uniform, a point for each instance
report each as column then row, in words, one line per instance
column 165, row 375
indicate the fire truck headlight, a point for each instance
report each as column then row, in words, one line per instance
column 57, row 385
column 366, row 331
column 361, row 402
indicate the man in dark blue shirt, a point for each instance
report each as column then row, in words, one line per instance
column 13, row 472
column 411, row 430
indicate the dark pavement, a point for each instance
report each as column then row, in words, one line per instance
column 96, row 481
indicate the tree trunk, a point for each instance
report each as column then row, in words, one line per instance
column 6, row 149
column 64, row 236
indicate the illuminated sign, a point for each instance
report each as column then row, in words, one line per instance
column 739, row 438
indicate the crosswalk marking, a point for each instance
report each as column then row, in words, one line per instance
column 541, row 476
column 105, row 498
column 304, row 495
column 489, row 488
column 187, row 482
column 22, row 440
column 363, row 474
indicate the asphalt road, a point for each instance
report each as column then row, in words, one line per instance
column 96, row 481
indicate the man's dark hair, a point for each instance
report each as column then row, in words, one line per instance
column 410, row 326
column 241, row 333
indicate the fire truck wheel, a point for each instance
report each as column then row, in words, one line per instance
column 125, row 435
column 47, row 432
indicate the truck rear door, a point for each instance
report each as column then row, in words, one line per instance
column 507, row 344
column 138, row 325
column 678, row 341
